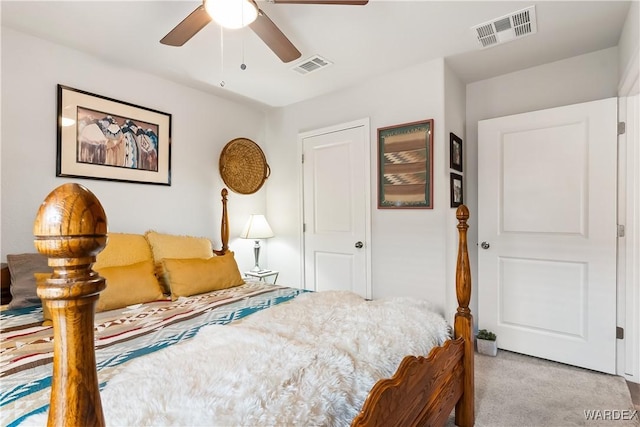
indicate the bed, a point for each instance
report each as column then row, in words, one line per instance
column 63, row 374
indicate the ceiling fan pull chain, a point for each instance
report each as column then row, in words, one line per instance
column 221, row 56
column 243, row 66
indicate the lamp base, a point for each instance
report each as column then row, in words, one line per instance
column 256, row 254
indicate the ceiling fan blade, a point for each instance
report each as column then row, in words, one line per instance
column 342, row 2
column 274, row 38
column 188, row 28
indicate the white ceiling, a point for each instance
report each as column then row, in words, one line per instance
column 361, row 41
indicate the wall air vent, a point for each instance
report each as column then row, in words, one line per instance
column 312, row 64
column 507, row 28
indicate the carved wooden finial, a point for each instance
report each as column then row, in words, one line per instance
column 462, row 214
column 70, row 223
column 71, row 229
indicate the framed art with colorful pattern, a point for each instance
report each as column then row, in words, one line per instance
column 102, row 138
column 405, row 166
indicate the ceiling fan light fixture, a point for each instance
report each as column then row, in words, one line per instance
column 232, row 14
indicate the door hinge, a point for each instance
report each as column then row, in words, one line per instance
column 619, row 333
column 620, row 230
column 304, row 227
column 303, row 158
column 622, row 128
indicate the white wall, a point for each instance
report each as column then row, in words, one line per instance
column 201, row 125
column 455, row 121
column 628, row 45
column 408, row 245
column 413, row 251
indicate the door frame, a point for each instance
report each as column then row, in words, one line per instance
column 628, row 283
column 365, row 124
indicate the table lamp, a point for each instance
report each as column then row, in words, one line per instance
column 256, row 228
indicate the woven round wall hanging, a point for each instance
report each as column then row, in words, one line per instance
column 243, row 166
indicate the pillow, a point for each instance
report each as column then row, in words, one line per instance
column 123, row 249
column 194, row 276
column 22, row 268
column 176, row 247
column 126, row 285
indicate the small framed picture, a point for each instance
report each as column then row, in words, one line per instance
column 457, row 191
column 455, row 152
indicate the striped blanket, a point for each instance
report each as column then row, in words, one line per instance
column 26, row 350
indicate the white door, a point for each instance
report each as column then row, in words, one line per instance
column 547, row 223
column 336, row 209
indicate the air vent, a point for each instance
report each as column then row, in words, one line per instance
column 312, row 64
column 507, row 28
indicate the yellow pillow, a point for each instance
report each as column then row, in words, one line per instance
column 128, row 285
column 194, row 276
column 176, row 247
column 123, row 249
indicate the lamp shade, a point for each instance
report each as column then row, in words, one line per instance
column 256, row 228
column 231, row 14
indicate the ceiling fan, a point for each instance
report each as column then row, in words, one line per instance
column 248, row 13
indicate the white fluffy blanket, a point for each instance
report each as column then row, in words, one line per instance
column 308, row 362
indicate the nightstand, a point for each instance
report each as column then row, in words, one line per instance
column 263, row 274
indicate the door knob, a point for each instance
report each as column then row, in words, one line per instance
column 359, row 245
column 485, row 245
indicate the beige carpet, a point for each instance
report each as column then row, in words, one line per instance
column 516, row 390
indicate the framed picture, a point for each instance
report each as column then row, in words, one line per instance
column 405, row 165
column 102, row 138
column 457, row 190
column 455, row 152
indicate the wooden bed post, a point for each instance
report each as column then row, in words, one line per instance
column 424, row 390
column 71, row 229
column 224, row 225
column 463, row 323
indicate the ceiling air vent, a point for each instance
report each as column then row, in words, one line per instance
column 312, row 64
column 506, row 28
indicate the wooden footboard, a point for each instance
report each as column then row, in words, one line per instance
column 424, row 390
